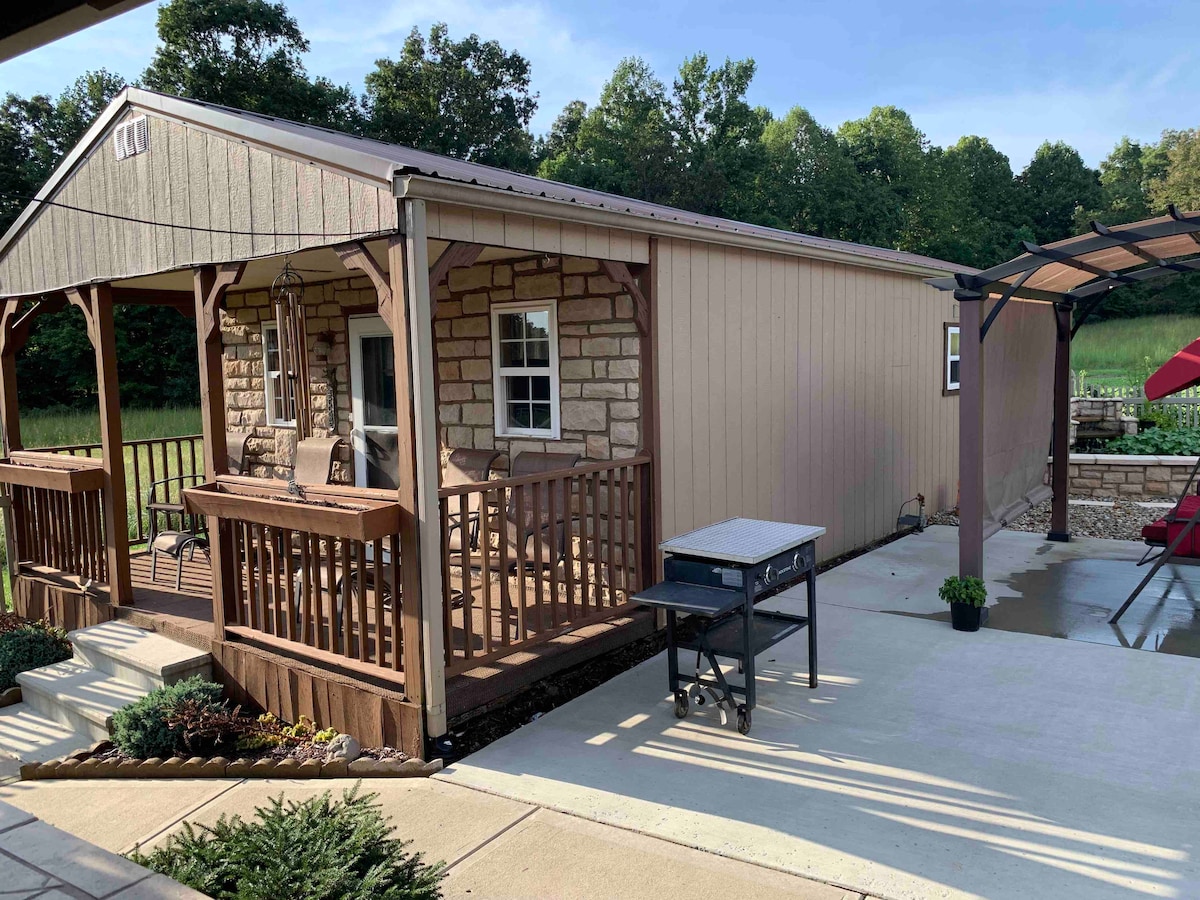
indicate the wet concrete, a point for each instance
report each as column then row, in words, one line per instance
column 1035, row 586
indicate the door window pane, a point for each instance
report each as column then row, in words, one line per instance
column 379, row 381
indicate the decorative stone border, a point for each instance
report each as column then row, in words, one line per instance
column 1129, row 477
column 10, row 696
column 83, row 764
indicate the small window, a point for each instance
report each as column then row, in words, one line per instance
column 273, row 375
column 525, row 369
column 951, row 358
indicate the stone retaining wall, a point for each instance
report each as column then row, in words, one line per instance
column 1135, row 477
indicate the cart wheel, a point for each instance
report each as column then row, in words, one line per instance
column 681, row 704
column 743, row 719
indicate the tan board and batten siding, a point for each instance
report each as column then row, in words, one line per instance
column 192, row 177
column 799, row 390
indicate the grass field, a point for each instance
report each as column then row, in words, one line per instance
column 1115, row 352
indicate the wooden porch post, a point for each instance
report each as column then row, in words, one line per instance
column 420, row 537
column 971, row 495
column 1060, row 468
column 210, row 284
column 96, row 304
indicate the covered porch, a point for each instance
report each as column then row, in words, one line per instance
column 384, row 597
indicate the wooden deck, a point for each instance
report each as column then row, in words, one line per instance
column 186, row 615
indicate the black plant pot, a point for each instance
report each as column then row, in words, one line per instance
column 966, row 617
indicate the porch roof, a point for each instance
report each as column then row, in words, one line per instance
column 404, row 171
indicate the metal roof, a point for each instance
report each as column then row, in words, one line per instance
column 389, row 163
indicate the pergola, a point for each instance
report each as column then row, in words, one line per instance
column 1007, row 315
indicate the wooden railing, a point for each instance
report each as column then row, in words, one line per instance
column 147, row 461
column 319, row 576
column 526, row 559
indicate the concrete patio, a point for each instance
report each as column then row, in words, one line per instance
column 1007, row 763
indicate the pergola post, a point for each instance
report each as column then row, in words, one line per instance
column 417, row 451
column 210, row 284
column 10, row 423
column 1060, row 466
column 971, row 495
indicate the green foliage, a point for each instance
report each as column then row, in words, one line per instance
column 30, row 646
column 144, row 729
column 1123, row 346
column 316, row 849
column 469, row 99
column 1156, row 442
column 246, row 54
column 969, row 590
column 1054, row 186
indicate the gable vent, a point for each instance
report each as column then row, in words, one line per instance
column 132, row 137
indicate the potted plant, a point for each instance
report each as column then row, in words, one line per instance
column 966, row 597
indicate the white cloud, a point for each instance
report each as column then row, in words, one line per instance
column 565, row 64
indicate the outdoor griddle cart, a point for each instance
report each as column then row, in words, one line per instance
column 716, row 575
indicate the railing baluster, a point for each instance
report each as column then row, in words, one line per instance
column 347, row 599
column 583, row 548
column 568, row 492
column 552, row 515
column 596, row 557
column 289, row 584
column 505, row 598
column 447, row 606
column 485, row 566
column 468, row 593
column 612, row 542
column 360, row 552
column 522, row 541
column 538, row 575
column 377, row 577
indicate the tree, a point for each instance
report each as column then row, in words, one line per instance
column 1175, row 171
column 717, row 137
column 987, row 211
column 1054, row 186
column 245, row 54
column 808, row 182
column 469, row 99
column 624, row 144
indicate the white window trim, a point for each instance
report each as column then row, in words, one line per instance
column 952, row 385
column 268, row 387
column 499, row 398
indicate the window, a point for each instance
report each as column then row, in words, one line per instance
column 951, row 358
column 273, row 375
column 525, row 367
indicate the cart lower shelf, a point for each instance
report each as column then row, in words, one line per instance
column 726, row 638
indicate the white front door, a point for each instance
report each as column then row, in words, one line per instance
column 373, row 403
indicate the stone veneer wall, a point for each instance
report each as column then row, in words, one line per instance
column 1132, row 477
column 271, row 451
column 598, row 356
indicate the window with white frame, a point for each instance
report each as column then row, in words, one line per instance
column 273, row 376
column 525, row 369
column 951, row 358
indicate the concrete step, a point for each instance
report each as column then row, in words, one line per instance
column 77, row 696
column 31, row 737
column 139, row 657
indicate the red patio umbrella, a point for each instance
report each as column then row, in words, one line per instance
column 1180, row 371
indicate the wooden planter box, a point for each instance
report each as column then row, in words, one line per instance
column 52, row 471
column 334, row 515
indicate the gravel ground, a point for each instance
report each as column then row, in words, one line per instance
column 1122, row 521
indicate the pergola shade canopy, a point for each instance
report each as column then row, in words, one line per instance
column 1084, row 266
column 1179, row 372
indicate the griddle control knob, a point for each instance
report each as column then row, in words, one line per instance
column 797, row 561
column 769, row 576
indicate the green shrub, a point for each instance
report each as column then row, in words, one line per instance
column 969, row 590
column 142, row 730
column 30, row 647
column 1157, row 442
column 316, row 849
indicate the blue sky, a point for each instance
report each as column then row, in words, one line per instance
column 1017, row 72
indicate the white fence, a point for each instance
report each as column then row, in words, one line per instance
column 1185, row 405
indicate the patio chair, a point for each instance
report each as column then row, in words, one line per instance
column 165, row 498
column 314, row 460
column 467, row 467
column 1175, row 538
column 175, row 544
column 235, row 449
column 535, row 525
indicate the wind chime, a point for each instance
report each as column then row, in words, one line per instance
column 287, row 292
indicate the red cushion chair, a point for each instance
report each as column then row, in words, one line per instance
column 1165, row 530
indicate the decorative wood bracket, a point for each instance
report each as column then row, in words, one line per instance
column 458, row 255
column 619, row 272
column 15, row 330
column 227, row 275
column 82, row 298
column 356, row 257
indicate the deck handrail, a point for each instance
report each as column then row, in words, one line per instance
column 606, row 465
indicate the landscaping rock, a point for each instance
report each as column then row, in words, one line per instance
column 343, row 747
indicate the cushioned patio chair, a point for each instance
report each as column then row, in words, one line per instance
column 1174, row 536
column 165, row 498
column 467, row 466
column 175, row 544
column 535, row 524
